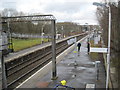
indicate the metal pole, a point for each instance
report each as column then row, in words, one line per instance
column 109, row 36
column 8, row 25
column 42, row 36
column 89, row 32
column 0, row 72
column 62, row 32
column 4, row 80
column 88, row 29
column 42, row 33
column 108, row 54
column 0, row 54
column 54, row 72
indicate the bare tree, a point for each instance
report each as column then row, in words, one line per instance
column 102, row 15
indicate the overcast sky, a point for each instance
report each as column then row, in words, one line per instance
column 81, row 11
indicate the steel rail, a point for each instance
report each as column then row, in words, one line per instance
column 26, row 61
column 38, row 65
column 34, row 67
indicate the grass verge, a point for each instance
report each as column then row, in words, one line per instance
column 20, row 44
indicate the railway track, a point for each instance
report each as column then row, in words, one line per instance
column 23, row 67
column 20, row 71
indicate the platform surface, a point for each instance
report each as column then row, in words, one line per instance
column 77, row 70
column 23, row 52
column 14, row 55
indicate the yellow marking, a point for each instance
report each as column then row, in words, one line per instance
column 74, row 51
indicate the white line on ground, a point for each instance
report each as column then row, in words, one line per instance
column 49, row 65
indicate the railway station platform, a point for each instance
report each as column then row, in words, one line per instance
column 77, row 70
column 23, row 52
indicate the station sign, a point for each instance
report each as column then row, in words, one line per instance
column 71, row 41
column 99, row 50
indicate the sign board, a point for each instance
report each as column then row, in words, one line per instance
column 71, row 41
column 99, row 50
column 97, row 39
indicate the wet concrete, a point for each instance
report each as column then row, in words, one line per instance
column 76, row 70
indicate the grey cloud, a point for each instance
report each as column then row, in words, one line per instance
column 68, row 7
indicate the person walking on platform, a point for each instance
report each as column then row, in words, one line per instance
column 78, row 46
column 88, row 46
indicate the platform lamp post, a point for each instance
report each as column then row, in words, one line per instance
column 109, row 36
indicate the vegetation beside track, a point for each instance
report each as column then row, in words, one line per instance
column 20, row 44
